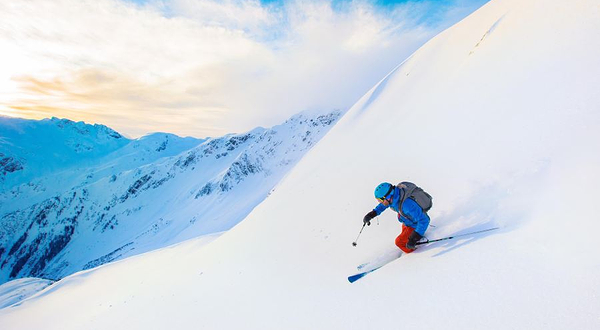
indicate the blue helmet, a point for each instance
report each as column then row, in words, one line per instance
column 383, row 190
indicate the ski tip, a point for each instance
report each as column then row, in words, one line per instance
column 356, row 277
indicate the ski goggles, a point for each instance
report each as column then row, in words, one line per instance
column 382, row 199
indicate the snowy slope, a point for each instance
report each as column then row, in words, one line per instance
column 15, row 291
column 132, row 200
column 497, row 118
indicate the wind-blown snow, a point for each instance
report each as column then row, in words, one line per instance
column 497, row 118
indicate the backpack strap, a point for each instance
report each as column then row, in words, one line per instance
column 406, row 189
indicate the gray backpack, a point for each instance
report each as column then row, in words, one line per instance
column 410, row 190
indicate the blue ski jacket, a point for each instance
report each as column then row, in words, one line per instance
column 415, row 217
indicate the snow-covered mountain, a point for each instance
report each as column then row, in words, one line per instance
column 35, row 154
column 497, row 118
column 136, row 198
column 30, row 148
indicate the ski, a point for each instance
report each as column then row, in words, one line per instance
column 451, row 237
column 375, row 265
column 358, row 276
column 387, row 258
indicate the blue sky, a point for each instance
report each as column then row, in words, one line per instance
column 436, row 11
column 204, row 67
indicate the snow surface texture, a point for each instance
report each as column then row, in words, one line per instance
column 137, row 198
column 497, row 117
column 15, row 291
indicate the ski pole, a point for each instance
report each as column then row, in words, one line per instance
column 363, row 227
column 451, row 237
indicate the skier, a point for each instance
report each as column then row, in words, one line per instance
column 411, row 203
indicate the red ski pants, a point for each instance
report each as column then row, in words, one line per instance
column 402, row 239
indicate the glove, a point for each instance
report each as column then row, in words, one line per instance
column 412, row 240
column 368, row 217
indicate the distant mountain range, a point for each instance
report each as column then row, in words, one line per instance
column 75, row 196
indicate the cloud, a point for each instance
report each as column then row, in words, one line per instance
column 250, row 16
column 135, row 106
column 200, row 67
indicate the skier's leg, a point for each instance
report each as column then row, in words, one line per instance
column 402, row 239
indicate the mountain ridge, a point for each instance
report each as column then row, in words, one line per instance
column 118, row 210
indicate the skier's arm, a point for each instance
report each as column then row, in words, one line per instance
column 380, row 208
